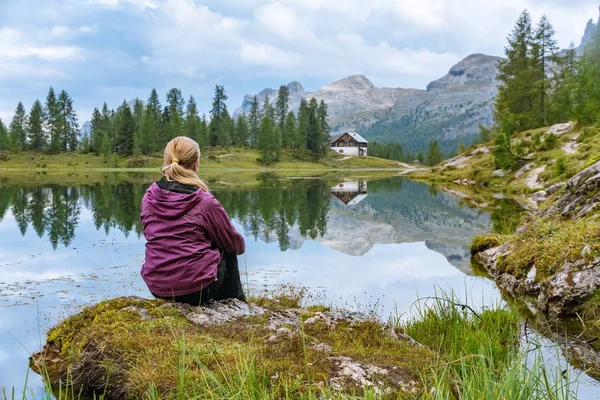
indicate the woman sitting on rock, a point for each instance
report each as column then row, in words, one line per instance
column 191, row 244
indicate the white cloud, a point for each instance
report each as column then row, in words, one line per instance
column 12, row 45
column 116, row 3
column 59, row 30
column 268, row 56
column 281, row 20
column 424, row 13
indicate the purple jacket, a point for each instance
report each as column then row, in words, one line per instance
column 185, row 234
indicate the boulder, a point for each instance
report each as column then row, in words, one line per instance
column 126, row 347
column 569, row 279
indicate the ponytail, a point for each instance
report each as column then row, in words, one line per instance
column 181, row 155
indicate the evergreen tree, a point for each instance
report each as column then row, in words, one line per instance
column 282, row 108
column 192, row 122
column 304, row 127
column 18, row 128
column 220, row 121
column 254, row 121
column 108, row 125
column 96, row 132
column 420, row 157
column 314, row 139
column 151, row 125
column 516, row 92
column 52, row 113
column 105, row 146
column 290, row 131
column 138, row 117
column 35, row 127
column 241, row 131
column 68, row 125
column 125, row 124
column 269, row 140
column 324, row 130
column 434, row 154
column 544, row 48
column 176, row 104
column 4, row 139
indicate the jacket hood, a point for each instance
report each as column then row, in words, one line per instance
column 171, row 205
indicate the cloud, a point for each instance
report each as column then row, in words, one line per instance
column 282, row 21
column 268, row 56
column 59, row 30
column 107, row 50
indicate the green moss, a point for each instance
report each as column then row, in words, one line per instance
column 548, row 244
column 484, row 242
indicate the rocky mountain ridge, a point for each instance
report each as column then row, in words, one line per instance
column 451, row 108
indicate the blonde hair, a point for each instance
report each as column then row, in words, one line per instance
column 181, row 154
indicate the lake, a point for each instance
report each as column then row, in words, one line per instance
column 373, row 245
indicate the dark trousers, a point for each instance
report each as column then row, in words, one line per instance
column 227, row 286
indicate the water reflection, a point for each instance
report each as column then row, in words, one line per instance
column 390, row 241
column 350, row 193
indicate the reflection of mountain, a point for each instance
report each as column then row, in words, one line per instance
column 342, row 217
column 395, row 211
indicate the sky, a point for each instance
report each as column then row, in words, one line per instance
column 112, row 50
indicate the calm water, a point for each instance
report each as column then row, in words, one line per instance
column 372, row 246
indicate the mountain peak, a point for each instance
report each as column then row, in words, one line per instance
column 590, row 28
column 353, row 82
column 475, row 69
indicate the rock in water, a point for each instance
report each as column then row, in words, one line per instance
column 126, row 346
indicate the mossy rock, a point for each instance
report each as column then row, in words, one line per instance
column 484, row 242
column 133, row 348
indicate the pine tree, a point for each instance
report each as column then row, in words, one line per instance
column 96, row 132
column 434, row 154
column 18, row 128
column 4, row 140
column 125, row 124
column 138, row 117
column 241, row 131
column 324, row 130
column 254, row 121
column 68, row 125
column 291, row 131
column 151, row 130
column 543, row 49
column 314, row 139
column 269, row 141
column 304, row 127
column 35, row 127
column 105, row 146
column 420, row 157
column 176, row 104
column 282, row 108
column 220, row 121
column 192, row 122
column 52, row 113
column 515, row 98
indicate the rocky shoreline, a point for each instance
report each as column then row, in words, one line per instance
column 568, row 280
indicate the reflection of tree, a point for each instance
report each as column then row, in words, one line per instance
column 274, row 208
column 271, row 210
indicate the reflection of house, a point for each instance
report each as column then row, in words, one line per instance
column 350, row 144
column 350, row 193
